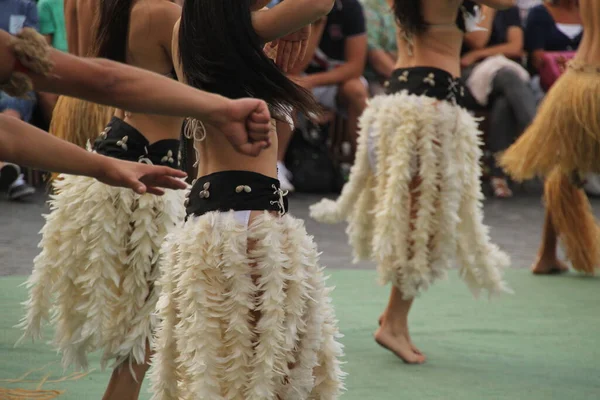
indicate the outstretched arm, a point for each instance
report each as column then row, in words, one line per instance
column 26, row 145
column 289, row 16
column 245, row 121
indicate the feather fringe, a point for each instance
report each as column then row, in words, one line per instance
column 97, row 268
column 421, row 206
column 224, row 275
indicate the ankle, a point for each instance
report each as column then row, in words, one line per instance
column 395, row 328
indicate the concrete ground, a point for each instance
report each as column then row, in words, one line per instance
column 515, row 226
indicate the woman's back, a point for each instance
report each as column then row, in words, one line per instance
column 439, row 44
column 151, row 25
column 215, row 153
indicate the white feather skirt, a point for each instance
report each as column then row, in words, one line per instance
column 434, row 146
column 218, row 275
column 94, row 279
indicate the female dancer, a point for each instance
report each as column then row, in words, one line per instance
column 413, row 201
column 100, row 245
column 244, row 310
column 563, row 144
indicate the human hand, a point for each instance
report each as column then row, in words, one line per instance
column 246, row 123
column 291, row 49
column 469, row 59
column 141, row 178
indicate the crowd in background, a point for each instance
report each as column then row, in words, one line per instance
column 350, row 55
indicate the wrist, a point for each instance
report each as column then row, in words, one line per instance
column 98, row 166
column 215, row 109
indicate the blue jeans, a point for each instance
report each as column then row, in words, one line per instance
column 24, row 106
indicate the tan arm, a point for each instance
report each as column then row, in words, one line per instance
column 288, row 16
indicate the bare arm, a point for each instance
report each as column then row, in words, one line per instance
column 26, row 145
column 479, row 39
column 71, row 26
column 513, row 48
column 288, row 16
column 356, row 53
column 313, row 43
column 87, row 26
column 382, row 62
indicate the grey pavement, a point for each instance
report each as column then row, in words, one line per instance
column 515, row 226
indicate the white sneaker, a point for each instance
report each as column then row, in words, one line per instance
column 284, row 182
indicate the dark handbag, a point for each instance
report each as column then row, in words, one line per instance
column 309, row 161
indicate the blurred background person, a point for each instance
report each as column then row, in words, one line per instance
column 14, row 16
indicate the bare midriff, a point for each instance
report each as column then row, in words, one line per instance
column 216, row 154
column 439, row 46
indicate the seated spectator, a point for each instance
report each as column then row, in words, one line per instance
column 52, row 25
column 498, row 52
column 14, row 16
column 553, row 26
column 333, row 69
column 381, row 33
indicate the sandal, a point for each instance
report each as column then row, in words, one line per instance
column 500, row 188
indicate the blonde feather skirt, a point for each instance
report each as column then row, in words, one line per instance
column 244, row 314
column 94, row 278
column 413, row 202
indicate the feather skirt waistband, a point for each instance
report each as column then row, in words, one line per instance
column 244, row 314
column 420, row 205
column 96, row 272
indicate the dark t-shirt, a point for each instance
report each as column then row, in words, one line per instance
column 503, row 20
column 542, row 33
column 345, row 20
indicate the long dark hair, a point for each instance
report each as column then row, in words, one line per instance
column 113, row 29
column 221, row 53
column 409, row 15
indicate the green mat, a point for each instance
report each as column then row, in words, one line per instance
column 537, row 344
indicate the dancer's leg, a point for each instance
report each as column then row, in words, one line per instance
column 123, row 385
column 393, row 333
column 548, row 262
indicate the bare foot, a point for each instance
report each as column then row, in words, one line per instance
column 400, row 345
column 549, row 266
column 415, row 349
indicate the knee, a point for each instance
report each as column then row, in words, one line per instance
column 507, row 77
column 355, row 92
